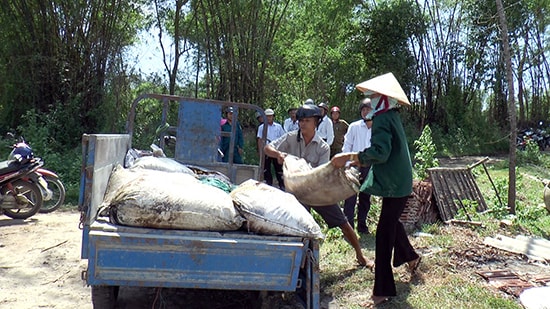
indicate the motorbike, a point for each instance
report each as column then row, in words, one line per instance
column 20, row 197
column 53, row 192
column 54, row 197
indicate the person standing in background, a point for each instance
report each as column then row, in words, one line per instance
column 325, row 130
column 226, row 140
column 340, row 127
column 274, row 131
column 357, row 139
column 291, row 123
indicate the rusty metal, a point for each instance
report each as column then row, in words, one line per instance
column 420, row 208
column 451, row 187
column 506, row 281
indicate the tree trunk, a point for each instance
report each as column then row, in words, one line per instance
column 511, row 108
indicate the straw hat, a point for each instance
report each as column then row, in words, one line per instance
column 387, row 85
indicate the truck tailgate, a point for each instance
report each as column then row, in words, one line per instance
column 192, row 259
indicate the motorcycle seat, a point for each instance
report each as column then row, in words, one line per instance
column 11, row 166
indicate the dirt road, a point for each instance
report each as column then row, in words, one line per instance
column 40, row 263
column 40, row 267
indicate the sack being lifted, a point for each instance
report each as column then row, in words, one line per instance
column 321, row 186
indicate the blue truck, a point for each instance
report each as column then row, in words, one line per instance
column 123, row 256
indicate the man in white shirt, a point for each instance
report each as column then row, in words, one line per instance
column 291, row 123
column 274, row 131
column 325, row 129
column 358, row 139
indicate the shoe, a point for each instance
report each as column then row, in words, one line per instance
column 379, row 300
column 414, row 264
column 363, row 231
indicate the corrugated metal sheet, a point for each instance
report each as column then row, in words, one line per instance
column 452, row 188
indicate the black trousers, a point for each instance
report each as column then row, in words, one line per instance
column 390, row 237
column 268, row 176
column 363, row 206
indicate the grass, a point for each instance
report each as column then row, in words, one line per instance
column 444, row 281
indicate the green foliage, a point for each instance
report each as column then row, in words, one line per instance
column 64, row 162
column 468, row 210
column 425, row 153
column 531, row 154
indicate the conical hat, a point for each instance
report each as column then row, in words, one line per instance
column 387, row 85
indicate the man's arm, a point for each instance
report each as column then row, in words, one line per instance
column 270, row 151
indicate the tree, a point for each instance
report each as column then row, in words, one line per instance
column 511, row 108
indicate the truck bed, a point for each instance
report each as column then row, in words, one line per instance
column 131, row 256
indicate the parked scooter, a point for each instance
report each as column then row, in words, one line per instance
column 55, row 197
column 20, row 198
column 53, row 190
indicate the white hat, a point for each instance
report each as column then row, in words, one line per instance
column 269, row 112
column 387, row 85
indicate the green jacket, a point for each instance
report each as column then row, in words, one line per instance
column 391, row 171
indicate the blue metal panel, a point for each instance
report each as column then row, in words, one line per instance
column 198, row 131
column 193, row 261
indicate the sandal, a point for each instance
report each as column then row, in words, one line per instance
column 414, row 264
column 370, row 265
column 379, row 300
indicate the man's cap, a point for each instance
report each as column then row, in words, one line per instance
column 230, row 109
column 335, row 109
column 323, row 106
column 269, row 112
column 309, row 101
column 365, row 103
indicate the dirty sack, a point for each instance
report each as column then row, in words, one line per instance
column 157, row 199
column 271, row 211
column 161, row 164
column 321, row 186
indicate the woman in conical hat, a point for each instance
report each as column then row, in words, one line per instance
column 390, row 177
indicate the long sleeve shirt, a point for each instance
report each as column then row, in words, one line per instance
column 325, row 130
column 288, row 125
column 391, row 171
column 358, row 137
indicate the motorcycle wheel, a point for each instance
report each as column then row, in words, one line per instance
column 58, row 195
column 32, row 193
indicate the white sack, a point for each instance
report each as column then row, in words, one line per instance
column 161, row 164
column 321, row 186
column 172, row 200
column 271, row 211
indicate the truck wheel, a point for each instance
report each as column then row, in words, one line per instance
column 104, row 296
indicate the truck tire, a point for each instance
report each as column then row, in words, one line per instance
column 104, row 296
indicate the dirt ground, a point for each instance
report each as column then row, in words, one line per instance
column 40, row 263
column 40, row 267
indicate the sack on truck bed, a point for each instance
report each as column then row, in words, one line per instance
column 161, row 164
column 320, row 186
column 271, row 211
column 156, row 199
